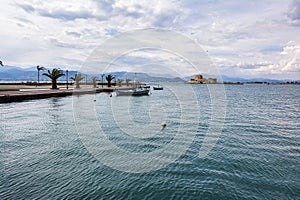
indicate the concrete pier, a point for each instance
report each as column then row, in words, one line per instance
column 16, row 93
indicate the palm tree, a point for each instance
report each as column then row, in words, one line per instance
column 95, row 79
column 54, row 75
column 127, row 82
column 120, row 82
column 78, row 77
column 39, row 68
column 109, row 78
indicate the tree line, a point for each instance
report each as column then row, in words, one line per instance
column 56, row 73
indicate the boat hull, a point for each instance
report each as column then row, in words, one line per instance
column 132, row 92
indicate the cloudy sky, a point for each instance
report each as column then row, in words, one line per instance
column 250, row 38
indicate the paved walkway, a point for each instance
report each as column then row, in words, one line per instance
column 23, row 92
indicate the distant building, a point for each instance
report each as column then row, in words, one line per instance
column 200, row 80
column 211, row 81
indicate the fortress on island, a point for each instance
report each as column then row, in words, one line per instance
column 200, row 80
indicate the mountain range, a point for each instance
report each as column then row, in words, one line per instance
column 13, row 73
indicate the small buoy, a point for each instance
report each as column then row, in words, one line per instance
column 163, row 124
column 94, row 99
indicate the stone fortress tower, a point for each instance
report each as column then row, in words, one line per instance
column 200, row 80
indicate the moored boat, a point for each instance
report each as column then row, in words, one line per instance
column 137, row 90
column 158, row 87
column 132, row 92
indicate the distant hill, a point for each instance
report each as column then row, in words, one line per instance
column 143, row 77
column 13, row 73
column 16, row 73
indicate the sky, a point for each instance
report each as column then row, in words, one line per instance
column 242, row 38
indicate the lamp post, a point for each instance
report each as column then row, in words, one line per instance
column 67, row 73
column 102, row 75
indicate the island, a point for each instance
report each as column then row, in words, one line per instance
column 200, row 80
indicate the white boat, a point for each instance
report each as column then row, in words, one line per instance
column 158, row 87
column 132, row 92
column 137, row 90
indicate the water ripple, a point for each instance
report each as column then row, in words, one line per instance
column 256, row 157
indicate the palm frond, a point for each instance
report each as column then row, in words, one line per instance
column 40, row 68
column 48, row 75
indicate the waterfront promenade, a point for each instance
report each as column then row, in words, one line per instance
column 15, row 93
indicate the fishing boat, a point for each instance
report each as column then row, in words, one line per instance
column 137, row 90
column 158, row 87
column 132, row 92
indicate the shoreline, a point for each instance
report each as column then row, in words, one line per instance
column 18, row 93
column 21, row 92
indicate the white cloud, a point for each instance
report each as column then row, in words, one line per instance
column 285, row 64
column 154, row 61
column 288, row 61
column 243, row 38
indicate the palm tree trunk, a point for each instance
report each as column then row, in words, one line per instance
column 54, row 84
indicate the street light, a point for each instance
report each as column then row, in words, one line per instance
column 67, row 73
column 102, row 75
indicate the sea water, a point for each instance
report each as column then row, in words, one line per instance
column 45, row 152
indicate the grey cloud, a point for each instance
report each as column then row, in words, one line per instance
column 243, row 66
column 26, row 21
column 23, row 22
column 251, row 66
column 294, row 12
column 104, row 9
column 105, row 5
column 91, row 33
column 271, row 49
column 60, row 13
column 73, row 33
column 135, row 13
column 135, row 60
column 66, row 15
column 62, row 44
column 166, row 19
column 26, row 7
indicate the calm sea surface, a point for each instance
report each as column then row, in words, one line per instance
column 44, row 154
